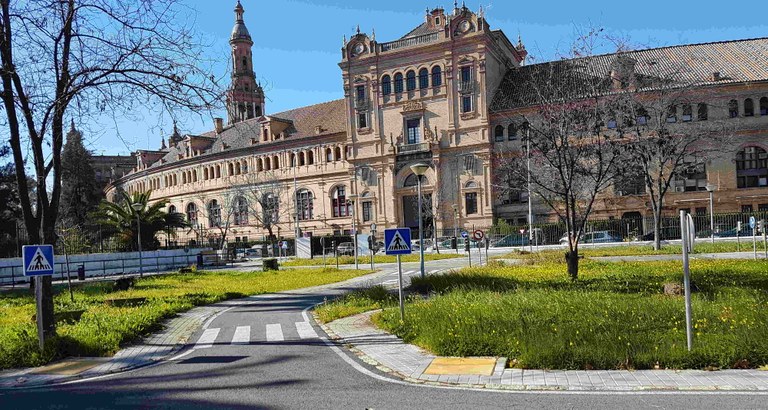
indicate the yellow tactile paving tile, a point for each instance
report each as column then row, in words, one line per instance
column 461, row 365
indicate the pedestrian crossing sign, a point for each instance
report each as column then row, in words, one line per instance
column 397, row 241
column 38, row 260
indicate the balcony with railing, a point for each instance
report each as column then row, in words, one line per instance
column 466, row 87
column 405, row 149
column 410, row 42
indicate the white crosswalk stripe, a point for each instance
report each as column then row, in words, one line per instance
column 242, row 335
column 207, row 339
column 391, row 281
column 305, row 330
column 275, row 333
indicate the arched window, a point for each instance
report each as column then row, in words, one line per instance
column 703, row 112
column 749, row 108
column 270, row 207
column 267, row 164
column 764, row 106
column 752, row 167
column 218, row 171
column 275, row 162
column 259, row 165
column 410, row 80
column 512, row 132
column 302, row 160
column 423, row 78
column 328, row 155
column 304, row 204
column 183, row 177
column 214, row 213
column 498, row 133
column 237, row 168
column 310, row 157
column 412, row 181
column 398, row 83
column 437, row 76
column 292, row 159
column 470, row 185
column 245, row 167
column 172, row 209
column 386, row 85
column 337, row 154
column 192, row 214
column 241, row 211
column 733, row 108
column 265, row 134
column 687, row 113
column 230, row 169
column 339, row 202
column 672, row 113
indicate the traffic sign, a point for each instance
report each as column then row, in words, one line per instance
column 464, row 234
column 478, row 235
column 38, row 260
column 752, row 222
column 397, row 241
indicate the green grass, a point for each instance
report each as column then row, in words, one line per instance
column 366, row 259
column 364, row 300
column 701, row 246
column 103, row 329
column 615, row 316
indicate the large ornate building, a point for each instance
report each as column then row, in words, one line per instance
column 443, row 94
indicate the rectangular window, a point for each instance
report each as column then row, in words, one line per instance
column 412, row 130
column 762, row 208
column 466, row 103
column 470, row 200
column 746, row 209
column 700, row 211
column 362, row 120
column 360, row 92
column 466, row 74
column 367, row 211
column 469, row 163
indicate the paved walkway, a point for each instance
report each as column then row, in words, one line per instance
column 389, row 354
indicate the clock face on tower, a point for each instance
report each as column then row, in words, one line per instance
column 465, row 26
column 359, row 48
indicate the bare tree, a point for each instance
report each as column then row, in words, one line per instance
column 90, row 56
column 664, row 115
column 220, row 213
column 267, row 204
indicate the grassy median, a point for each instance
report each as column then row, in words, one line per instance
column 616, row 316
column 363, row 259
column 701, row 246
column 103, row 328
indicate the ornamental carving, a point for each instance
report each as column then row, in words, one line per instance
column 413, row 106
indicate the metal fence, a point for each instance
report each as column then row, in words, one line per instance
column 627, row 229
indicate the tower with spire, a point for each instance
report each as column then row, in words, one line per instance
column 245, row 97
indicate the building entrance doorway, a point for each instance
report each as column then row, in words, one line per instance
column 411, row 214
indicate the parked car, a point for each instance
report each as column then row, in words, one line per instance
column 511, row 240
column 252, row 253
column 595, row 237
column 346, row 248
column 733, row 232
column 446, row 244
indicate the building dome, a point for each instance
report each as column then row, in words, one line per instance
column 239, row 32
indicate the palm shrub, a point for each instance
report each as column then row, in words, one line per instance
column 121, row 219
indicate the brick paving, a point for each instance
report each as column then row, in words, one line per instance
column 378, row 348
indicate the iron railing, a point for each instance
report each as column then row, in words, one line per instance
column 410, row 41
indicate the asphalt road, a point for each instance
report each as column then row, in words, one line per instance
column 280, row 363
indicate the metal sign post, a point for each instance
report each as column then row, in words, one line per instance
column 478, row 236
column 38, row 262
column 684, row 226
column 398, row 242
column 738, row 236
column 753, row 226
column 765, row 244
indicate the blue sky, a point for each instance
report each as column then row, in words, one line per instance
column 297, row 43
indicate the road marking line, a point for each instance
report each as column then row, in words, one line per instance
column 387, row 282
column 306, row 331
column 207, row 339
column 242, row 335
column 275, row 333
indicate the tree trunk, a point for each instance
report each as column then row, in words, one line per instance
column 657, row 229
column 572, row 259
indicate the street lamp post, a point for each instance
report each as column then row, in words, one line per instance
column 351, row 201
column 138, row 207
column 711, row 189
column 420, row 169
column 530, row 206
column 296, row 197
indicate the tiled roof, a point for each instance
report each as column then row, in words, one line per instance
column 736, row 61
column 422, row 28
column 330, row 116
